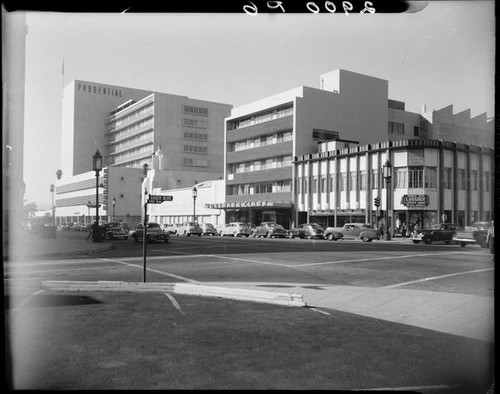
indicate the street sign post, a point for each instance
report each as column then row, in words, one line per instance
column 152, row 199
column 158, row 199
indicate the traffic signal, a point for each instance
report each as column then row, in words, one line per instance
column 376, row 201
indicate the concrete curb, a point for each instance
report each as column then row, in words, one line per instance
column 241, row 294
column 179, row 288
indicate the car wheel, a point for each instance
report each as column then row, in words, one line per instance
column 447, row 242
column 463, row 244
column 427, row 240
column 268, row 235
column 330, row 237
column 416, row 242
column 290, row 236
column 166, row 240
column 366, row 239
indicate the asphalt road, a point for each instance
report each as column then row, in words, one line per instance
column 395, row 264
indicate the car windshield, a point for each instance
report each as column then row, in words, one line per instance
column 316, row 226
column 150, row 225
column 192, row 224
column 435, row 226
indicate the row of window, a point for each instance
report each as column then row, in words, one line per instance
column 195, row 149
column 260, row 188
column 147, row 109
column 264, row 117
column 408, row 177
column 275, row 138
column 195, row 110
column 195, row 162
column 257, row 165
column 137, row 139
column 195, row 123
column 190, row 135
column 143, row 150
column 131, row 130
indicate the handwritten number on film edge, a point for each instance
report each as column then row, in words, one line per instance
column 252, row 9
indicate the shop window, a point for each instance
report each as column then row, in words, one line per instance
column 415, row 177
column 401, row 181
column 431, row 177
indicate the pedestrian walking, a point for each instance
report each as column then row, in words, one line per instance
column 490, row 240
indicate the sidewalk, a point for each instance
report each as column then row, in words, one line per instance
column 452, row 313
column 34, row 246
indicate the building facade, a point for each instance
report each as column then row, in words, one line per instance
column 118, row 194
column 431, row 181
column 179, row 137
column 264, row 139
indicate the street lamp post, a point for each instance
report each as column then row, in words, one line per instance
column 387, row 176
column 97, row 167
column 194, row 194
column 114, row 205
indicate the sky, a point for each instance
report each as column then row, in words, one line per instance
column 442, row 55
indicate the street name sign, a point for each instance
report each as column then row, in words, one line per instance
column 158, row 199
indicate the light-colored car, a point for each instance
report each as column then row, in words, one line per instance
column 77, row 227
column 208, row 229
column 170, row 228
column 189, row 228
column 235, row 229
column 355, row 230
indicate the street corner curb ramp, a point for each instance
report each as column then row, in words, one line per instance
column 268, row 297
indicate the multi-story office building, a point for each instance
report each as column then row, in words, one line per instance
column 181, row 138
column 264, row 138
column 431, row 181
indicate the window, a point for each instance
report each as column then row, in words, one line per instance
column 195, row 149
column 195, row 162
column 415, row 131
column 375, row 179
column 473, row 180
column 323, row 184
column 487, row 181
column 353, row 181
column 447, row 184
column 461, row 179
column 415, row 177
column 396, row 128
column 363, row 181
column 202, row 124
column 401, row 178
column 430, row 177
column 320, row 135
column 343, row 182
column 331, row 182
column 315, row 185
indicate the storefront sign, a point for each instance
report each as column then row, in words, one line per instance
column 244, row 204
column 415, row 200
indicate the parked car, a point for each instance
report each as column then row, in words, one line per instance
column 472, row 235
column 208, row 229
column 332, row 234
column 170, row 228
column 437, row 232
column 306, row 230
column 78, row 226
column 269, row 230
column 116, row 230
column 236, row 229
column 355, row 230
column 153, row 233
column 189, row 228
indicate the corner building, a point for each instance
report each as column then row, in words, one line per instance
column 177, row 137
column 266, row 141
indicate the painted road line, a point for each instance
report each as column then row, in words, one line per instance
column 63, row 269
column 250, row 261
column 383, row 258
column 153, row 270
column 175, row 303
column 437, row 277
